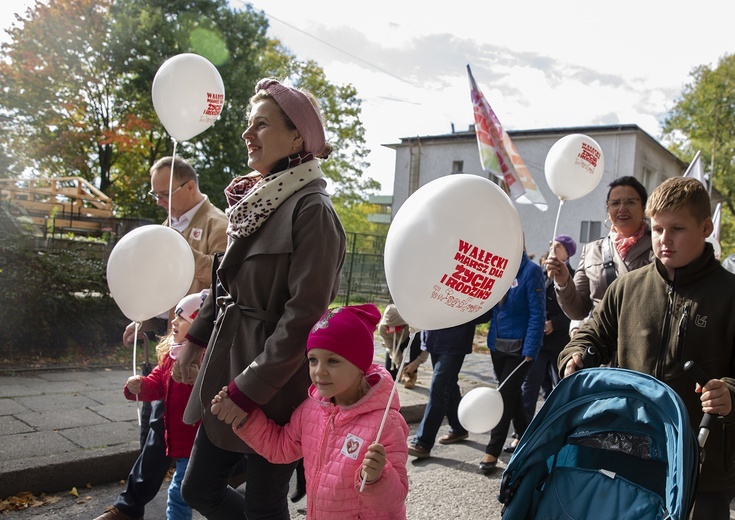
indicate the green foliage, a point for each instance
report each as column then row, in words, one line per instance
column 354, row 218
column 703, row 118
column 54, row 303
column 80, row 103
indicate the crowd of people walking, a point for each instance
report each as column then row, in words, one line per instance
column 260, row 376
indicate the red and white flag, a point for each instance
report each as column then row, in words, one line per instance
column 695, row 170
column 498, row 155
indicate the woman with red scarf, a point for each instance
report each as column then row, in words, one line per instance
column 625, row 248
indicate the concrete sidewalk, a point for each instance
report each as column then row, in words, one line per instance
column 66, row 428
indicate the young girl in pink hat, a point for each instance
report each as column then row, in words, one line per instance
column 335, row 428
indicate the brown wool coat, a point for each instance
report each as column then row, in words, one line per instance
column 280, row 279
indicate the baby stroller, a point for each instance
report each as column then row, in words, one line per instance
column 608, row 443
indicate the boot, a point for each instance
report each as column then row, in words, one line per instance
column 300, row 490
column 409, row 380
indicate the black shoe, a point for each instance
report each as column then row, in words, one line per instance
column 487, row 467
column 298, row 493
column 510, row 447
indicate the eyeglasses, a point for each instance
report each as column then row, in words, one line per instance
column 159, row 196
column 628, row 203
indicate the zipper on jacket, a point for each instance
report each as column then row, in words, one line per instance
column 322, row 449
column 666, row 336
column 681, row 333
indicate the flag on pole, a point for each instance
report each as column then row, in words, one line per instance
column 498, row 154
column 716, row 222
column 695, row 170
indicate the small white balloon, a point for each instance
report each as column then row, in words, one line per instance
column 574, row 166
column 149, row 270
column 188, row 95
column 480, row 410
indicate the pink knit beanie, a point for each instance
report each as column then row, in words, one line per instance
column 347, row 331
column 300, row 111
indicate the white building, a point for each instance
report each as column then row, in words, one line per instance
column 627, row 150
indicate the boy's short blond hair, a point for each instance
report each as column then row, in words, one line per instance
column 677, row 193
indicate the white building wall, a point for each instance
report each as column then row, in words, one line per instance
column 627, row 151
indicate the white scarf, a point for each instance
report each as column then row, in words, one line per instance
column 249, row 213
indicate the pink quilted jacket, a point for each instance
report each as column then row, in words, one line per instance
column 333, row 441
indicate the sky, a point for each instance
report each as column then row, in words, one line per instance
column 540, row 64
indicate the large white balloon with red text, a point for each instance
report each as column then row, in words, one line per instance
column 149, row 270
column 452, row 251
column 188, row 95
column 574, row 166
column 480, row 410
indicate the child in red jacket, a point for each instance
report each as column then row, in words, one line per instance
column 160, row 385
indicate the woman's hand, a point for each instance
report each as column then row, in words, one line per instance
column 226, row 410
column 188, row 355
column 557, row 270
column 373, row 463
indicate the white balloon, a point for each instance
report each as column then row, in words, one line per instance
column 188, row 95
column 149, row 271
column 452, row 251
column 574, row 166
column 480, row 410
column 716, row 245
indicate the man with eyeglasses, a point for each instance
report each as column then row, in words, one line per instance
column 204, row 226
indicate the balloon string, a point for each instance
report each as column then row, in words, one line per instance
column 390, row 399
column 171, row 182
column 556, row 226
column 135, row 357
column 511, row 374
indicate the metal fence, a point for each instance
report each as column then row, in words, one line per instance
column 363, row 275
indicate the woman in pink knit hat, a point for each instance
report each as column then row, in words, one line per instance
column 335, row 429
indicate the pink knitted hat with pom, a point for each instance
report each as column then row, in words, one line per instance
column 347, row 331
column 300, row 111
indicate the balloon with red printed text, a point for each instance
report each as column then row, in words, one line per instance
column 574, row 166
column 452, row 251
column 188, row 95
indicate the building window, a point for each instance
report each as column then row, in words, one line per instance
column 457, row 166
column 590, row 230
column 649, row 178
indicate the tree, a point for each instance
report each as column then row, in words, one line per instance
column 60, row 98
column 76, row 95
column 703, row 118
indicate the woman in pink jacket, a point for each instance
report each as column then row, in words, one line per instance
column 336, row 428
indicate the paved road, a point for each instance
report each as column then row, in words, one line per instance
column 445, row 486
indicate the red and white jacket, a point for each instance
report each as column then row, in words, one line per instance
column 333, row 441
column 160, row 385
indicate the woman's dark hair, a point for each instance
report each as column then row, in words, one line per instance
column 633, row 183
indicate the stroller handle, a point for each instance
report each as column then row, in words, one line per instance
column 589, row 357
column 708, row 420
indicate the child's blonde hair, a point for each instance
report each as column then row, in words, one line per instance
column 677, row 193
column 163, row 346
